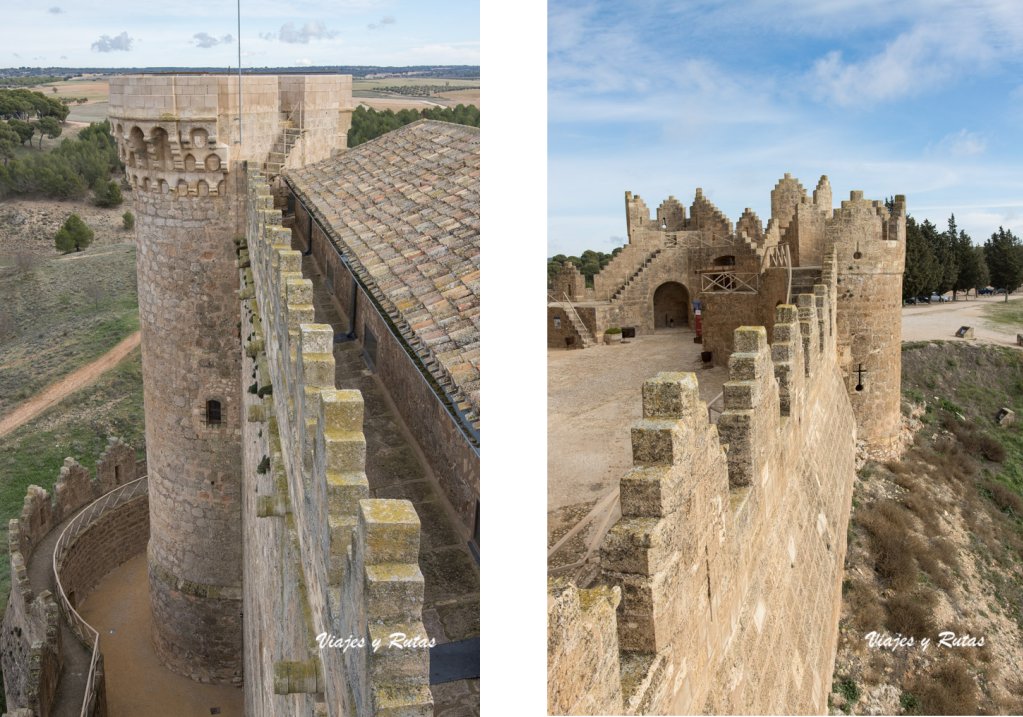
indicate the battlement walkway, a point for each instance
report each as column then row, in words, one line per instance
column 396, row 469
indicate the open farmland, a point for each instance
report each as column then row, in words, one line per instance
column 417, row 93
column 97, row 91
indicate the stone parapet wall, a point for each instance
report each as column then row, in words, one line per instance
column 355, row 559
column 112, row 539
column 733, row 533
column 584, row 665
column 30, row 649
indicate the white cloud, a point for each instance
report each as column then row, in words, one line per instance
column 302, row 35
column 382, row 23
column 202, row 39
column 111, row 44
column 962, row 144
column 943, row 43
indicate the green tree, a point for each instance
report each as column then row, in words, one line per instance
column 1004, row 255
column 943, row 249
column 50, row 127
column 922, row 271
column 75, row 235
column 107, row 193
column 25, row 130
column 129, row 220
column 969, row 262
column 983, row 275
column 970, row 273
column 9, row 140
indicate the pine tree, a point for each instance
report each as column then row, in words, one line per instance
column 75, row 235
column 1004, row 255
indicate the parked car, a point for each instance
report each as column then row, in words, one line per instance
column 938, row 298
column 985, row 291
column 910, row 300
column 923, row 299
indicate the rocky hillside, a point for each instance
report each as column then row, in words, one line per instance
column 932, row 619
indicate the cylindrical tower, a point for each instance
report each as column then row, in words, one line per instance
column 870, row 251
column 183, row 140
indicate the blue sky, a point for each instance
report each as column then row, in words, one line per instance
column 922, row 98
column 289, row 33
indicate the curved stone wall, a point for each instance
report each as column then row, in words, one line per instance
column 110, row 540
column 30, row 640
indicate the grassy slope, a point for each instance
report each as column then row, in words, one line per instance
column 936, row 543
column 59, row 324
column 60, row 327
column 77, row 427
column 1005, row 314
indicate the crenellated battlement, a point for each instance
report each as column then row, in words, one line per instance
column 356, row 557
column 671, row 215
column 31, row 639
column 733, row 531
column 729, row 532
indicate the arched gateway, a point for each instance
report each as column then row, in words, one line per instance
column 671, row 305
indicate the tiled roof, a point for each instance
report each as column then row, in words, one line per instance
column 404, row 209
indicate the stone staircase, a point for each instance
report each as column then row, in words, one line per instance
column 285, row 142
column 635, row 275
column 585, row 337
column 803, row 280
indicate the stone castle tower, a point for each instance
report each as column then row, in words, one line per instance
column 740, row 273
column 870, row 251
column 183, row 144
column 869, row 245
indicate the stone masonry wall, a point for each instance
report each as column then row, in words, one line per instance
column 730, row 549
column 351, row 561
column 870, row 247
column 582, row 648
column 184, row 142
column 112, row 539
column 30, row 650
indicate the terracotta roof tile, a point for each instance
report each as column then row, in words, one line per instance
column 405, row 208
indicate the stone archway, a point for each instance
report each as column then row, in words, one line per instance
column 671, row 305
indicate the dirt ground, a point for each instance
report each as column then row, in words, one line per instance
column 927, row 322
column 588, row 421
column 136, row 682
column 30, row 224
column 56, row 392
column 398, row 103
column 464, row 97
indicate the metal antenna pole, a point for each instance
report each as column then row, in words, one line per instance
column 239, row 71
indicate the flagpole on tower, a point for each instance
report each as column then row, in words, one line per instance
column 239, row 71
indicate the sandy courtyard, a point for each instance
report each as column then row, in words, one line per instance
column 594, row 397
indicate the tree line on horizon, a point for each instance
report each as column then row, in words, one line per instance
column 369, row 123
column 588, row 263
column 949, row 261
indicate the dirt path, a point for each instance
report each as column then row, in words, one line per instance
column 56, row 392
column 940, row 321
